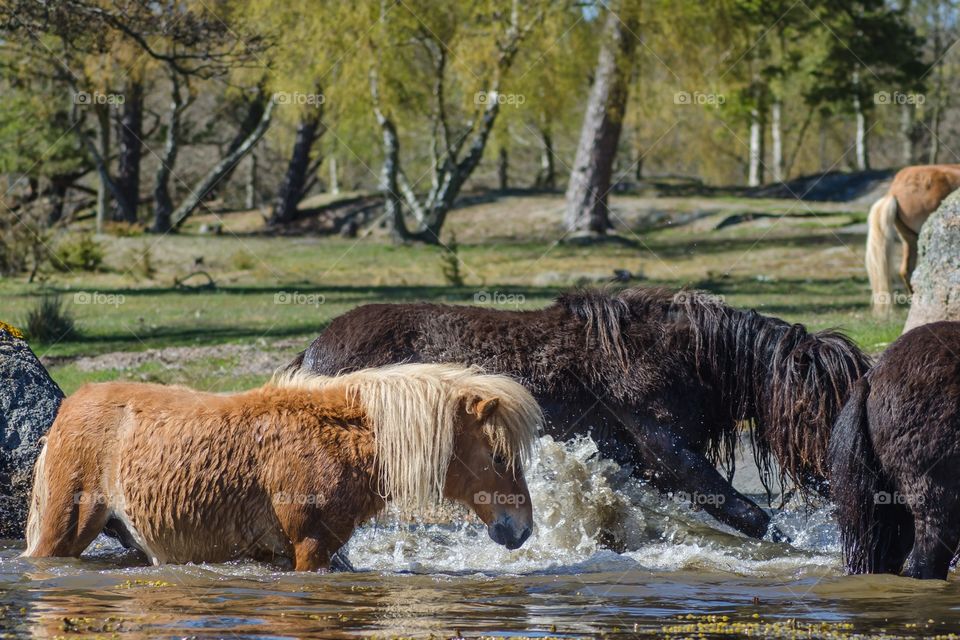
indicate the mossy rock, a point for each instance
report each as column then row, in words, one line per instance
column 29, row 401
column 936, row 280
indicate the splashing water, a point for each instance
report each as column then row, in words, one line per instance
column 585, row 507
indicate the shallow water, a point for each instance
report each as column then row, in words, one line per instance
column 678, row 574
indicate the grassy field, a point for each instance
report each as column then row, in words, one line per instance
column 274, row 294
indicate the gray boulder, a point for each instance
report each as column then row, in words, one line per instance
column 936, row 280
column 29, row 400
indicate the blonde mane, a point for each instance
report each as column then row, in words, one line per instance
column 413, row 409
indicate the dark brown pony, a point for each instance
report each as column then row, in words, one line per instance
column 894, row 457
column 660, row 379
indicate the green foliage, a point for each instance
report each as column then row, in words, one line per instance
column 23, row 242
column 82, row 253
column 32, row 126
column 49, row 320
column 868, row 49
column 435, row 57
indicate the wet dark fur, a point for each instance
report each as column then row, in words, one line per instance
column 894, row 458
column 686, row 368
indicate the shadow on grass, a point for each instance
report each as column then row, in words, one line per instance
column 344, row 294
column 690, row 247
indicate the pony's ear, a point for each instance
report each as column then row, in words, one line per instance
column 482, row 408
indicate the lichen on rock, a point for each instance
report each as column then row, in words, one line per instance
column 29, row 401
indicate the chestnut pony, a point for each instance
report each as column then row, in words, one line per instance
column 914, row 195
column 283, row 473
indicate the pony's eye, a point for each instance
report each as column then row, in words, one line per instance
column 499, row 460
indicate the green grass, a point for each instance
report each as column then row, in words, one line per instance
column 801, row 268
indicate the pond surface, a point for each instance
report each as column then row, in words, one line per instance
column 677, row 574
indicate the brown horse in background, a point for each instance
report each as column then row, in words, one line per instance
column 283, row 473
column 914, row 195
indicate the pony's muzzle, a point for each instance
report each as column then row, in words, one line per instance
column 507, row 532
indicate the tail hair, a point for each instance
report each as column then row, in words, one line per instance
column 38, row 498
column 880, row 245
column 857, row 486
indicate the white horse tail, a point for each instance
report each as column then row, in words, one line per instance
column 38, row 499
column 880, row 244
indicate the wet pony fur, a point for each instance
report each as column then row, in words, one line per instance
column 785, row 382
column 282, row 473
column 661, row 379
column 894, row 455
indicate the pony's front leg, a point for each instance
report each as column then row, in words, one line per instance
column 311, row 554
column 678, row 468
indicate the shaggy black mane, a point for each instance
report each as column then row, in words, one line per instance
column 786, row 383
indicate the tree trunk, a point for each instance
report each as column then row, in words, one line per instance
column 503, row 169
column 822, row 146
column 162, row 202
column 906, row 134
column 390, row 170
column 547, row 176
column 106, row 186
column 103, row 186
column 586, row 197
column 251, row 120
column 755, row 175
column 934, row 152
column 334, row 186
column 935, row 117
column 863, row 157
column 58, row 195
column 222, row 169
column 393, row 206
column 250, row 195
column 130, row 138
column 292, row 187
column 776, row 140
column 936, row 280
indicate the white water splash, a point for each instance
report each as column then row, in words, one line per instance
column 587, row 507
